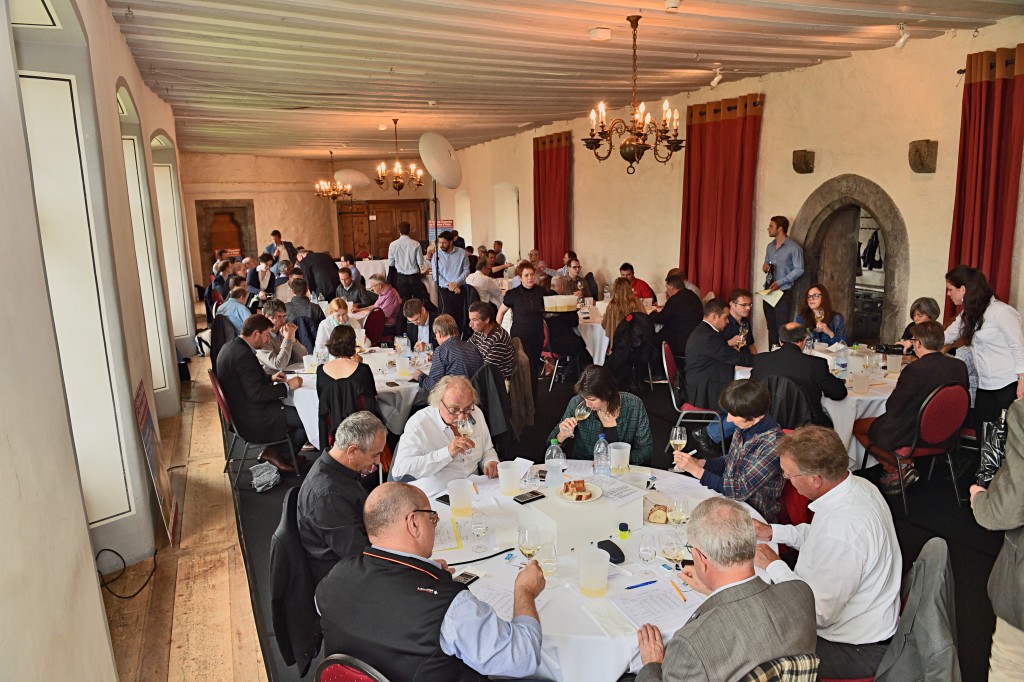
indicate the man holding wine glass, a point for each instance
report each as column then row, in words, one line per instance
column 737, row 326
column 436, row 446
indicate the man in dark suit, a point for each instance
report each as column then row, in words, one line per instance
column 808, row 371
column 710, row 361
column 255, row 397
column 741, row 624
column 417, row 321
column 895, row 429
column 320, row 272
column 679, row 316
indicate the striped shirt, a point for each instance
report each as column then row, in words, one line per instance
column 496, row 350
column 453, row 357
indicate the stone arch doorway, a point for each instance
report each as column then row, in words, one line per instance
column 828, row 226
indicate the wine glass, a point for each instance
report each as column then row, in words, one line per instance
column 744, row 330
column 677, row 441
column 581, row 412
column 464, row 427
column 647, row 552
column 677, row 512
column 672, row 549
column 529, row 541
column 547, row 557
column 478, row 524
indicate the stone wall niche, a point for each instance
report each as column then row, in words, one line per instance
column 823, row 226
column 238, row 211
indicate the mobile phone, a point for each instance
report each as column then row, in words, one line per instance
column 527, row 498
column 391, row 383
column 542, row 475
column 466, row 578
column 443, row 499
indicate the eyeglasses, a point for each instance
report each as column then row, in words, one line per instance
column 789, row 478
column 743, row 305
column 813, row 295
column 433, row 514
column 913, row 340
column 457, row 411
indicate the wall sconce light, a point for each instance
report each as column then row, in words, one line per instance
column 904, row 36
column 717, row 79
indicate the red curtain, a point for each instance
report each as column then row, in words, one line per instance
column 989, row 166
column 718, row 192
column 552, row 195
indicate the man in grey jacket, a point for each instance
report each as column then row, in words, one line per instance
column 744, row 622
column 1001, row 507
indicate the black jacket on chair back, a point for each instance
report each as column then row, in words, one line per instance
column 808, row 371
column 393, row 621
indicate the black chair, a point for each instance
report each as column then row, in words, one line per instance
column 791, row 407
column 689, row 415
column 342, row 668
column 563, row 356
column 292, row 606
column 633, row 351
column 231, row 429
column 592, row 285
column 221, row 331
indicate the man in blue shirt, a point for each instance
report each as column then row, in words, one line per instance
column 234, row 308
column 451, row 265
column 453, row 357
column 784, row 262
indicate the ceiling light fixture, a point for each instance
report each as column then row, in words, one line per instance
column 398, row 176
column 717, row 79
column 637, row 129
column 904, row 35
column 330, row 188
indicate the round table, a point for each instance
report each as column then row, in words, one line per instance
column 857, row 406
column 590, row 331
column 583, row 638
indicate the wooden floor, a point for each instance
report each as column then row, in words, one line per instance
column 193, row 621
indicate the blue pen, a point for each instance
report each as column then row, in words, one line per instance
column 649, row 582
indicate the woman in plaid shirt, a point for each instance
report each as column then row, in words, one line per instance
column 750, row 471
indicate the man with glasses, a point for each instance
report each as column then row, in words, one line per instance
column 436, row 629
column 738, row 626
column 741, row 302
column 897, row 427
column 849, row 554
column 388, row 301
column 282, row 348
column 353, row 292
column 574, row 278
column 330, row 503
column 432, row 452
column 453, row 357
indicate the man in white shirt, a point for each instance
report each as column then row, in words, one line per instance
column 849, row 554
column 483, row 283
column 431, row 452
column 405, row 256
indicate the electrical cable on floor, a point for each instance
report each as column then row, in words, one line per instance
column 105, row 584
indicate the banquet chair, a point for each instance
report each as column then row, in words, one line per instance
column 293, row 611
column 342, row 668
column 231, row 428
column 688, row 414
column 796, row 668
column 363, row 254
column 374, row 326
column 561, row 356
column 938, row 427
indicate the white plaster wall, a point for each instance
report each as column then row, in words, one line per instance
column 858, row 114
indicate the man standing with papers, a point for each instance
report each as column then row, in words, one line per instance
column 783, row 265
column 744, row 622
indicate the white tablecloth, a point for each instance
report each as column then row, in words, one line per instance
column 857, row 406
column 590, row 330
column 372, row 267
column 584, row 639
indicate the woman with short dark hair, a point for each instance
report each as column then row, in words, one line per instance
column 344, row 385
column 526, row 302
column 924, row 309
column 750, row 471
column 620, row 416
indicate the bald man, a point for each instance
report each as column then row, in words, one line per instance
column 402, row 613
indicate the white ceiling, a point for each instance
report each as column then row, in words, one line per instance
column 299, row 77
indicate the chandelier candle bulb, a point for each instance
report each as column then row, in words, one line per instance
column 593, row 121
column 600, row 108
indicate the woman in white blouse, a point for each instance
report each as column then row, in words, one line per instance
column 993, row 331
column 337, row 316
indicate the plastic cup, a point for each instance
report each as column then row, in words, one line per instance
column 894, row 363
column 308, row 363
column 860, row 382
column 460, row 494
column 360, row 336
column 404, row 366
column 593, row 565
column 508, row 478
column 588, row 302
column 619, row 453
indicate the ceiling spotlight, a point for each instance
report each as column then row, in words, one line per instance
column 904, row 36
column 600, row 34
column 717, row 79
column 672, row 5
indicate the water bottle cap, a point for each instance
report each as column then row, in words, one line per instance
column 554, row 441
column 623, row 527
column 601, row 437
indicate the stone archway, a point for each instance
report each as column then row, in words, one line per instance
column 812, row 223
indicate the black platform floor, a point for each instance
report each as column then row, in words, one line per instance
column 933, row 513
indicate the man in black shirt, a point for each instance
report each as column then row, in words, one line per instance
column 330, row 504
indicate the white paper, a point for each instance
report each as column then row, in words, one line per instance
column 485, row 488
column 446, row 537
column 657, row 604
column 619, row 493
column 500, row 599
column 523, row 465
column 771, row 297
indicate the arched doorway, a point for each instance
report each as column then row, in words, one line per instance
column 834, row 225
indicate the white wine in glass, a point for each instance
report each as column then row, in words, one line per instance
column 582, row 412
column 677, row 441
column 479, row 528
column 529, row 542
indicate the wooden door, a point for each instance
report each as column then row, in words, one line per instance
column 226, row 233
column 835, row 264
column 353, row 228
column 385, row 217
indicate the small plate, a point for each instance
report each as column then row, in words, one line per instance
column 595, row 491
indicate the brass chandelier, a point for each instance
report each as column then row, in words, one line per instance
column 330, row 188
column 637, row 129
column 398, row 176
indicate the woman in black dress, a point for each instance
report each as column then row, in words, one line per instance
column 344, row 385
column 526, row 302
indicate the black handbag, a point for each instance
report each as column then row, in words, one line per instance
column 993, row 450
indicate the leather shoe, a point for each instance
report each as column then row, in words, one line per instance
column 706, row 447
column 274, row 457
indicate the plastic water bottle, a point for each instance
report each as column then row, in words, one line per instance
column 842, row 359
column 602, row 460
column 607, row 293
column 406, row 346
column 554, row 462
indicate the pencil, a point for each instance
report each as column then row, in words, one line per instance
column 678, row 591
column 475, row 490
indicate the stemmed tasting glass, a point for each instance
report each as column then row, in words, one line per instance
column 581, row 413
column 479, row 527
column 647, row 552
column 464, row 427
column 744, row 330
column 529, row 541
column 677, row 441
column 672, row 549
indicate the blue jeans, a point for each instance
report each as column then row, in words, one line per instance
column 715, row 433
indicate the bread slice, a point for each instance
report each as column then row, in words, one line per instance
column 658, row 514
column 585, row 495
column 574, row 487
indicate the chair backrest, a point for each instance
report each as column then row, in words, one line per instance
column 342, row 668
column 794, row 506
column 374, row 326
column 222, row 402
column 798, row 668
column 671, row 373
column 305, row 332
column 942, row 414
column 790, row 406
column 592, row 285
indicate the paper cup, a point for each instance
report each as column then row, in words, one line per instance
column 308, row 363
column 460, row 494
column 593, row 565
column 619, row 453
column 860, row 382
column 508, row 478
